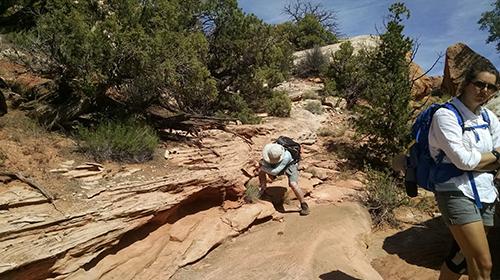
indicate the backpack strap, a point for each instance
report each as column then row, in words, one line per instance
column 486, row 119
column 474, row 190
column 460, row 119
column 448, row 105
column 486, row 116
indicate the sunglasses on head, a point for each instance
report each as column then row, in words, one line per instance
column 482, row 85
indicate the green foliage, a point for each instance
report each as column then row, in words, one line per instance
column 121, row 57
column 311, row 33
column 384, row 120
column 345, row 76
column 236, row 107
column 247, row 116
column 491, row 21
column 306, row 33
column 17, row 15
column 139, row 49
column 311, row 24
column 311, row 94
column 246, row 55
column 313, row 64
column 279, row 104
column 314, row 106
column 383, row 196
column 128, row 141
column 251, row 193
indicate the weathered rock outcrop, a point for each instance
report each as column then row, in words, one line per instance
column 357, row 42
column 458, row 58
column 423, row 85
column 147, row 229
column 329, row 244
column 65, row 241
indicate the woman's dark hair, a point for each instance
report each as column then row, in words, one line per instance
column 478, row 67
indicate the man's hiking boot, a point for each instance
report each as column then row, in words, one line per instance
column 304, row 209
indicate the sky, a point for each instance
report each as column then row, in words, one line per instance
column 434, row 24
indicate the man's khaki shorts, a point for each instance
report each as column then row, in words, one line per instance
column 292, row 172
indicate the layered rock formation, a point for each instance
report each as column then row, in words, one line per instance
column 459, row 57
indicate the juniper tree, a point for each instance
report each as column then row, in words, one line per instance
column 246, row 56
column 140, row 49
column 384, row 119
column 311, row 25
column 346, row 73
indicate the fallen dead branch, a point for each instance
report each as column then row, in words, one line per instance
column 19, row 176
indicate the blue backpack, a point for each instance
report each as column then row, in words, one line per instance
column 422, row 170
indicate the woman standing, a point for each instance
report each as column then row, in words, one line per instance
column 467, row 200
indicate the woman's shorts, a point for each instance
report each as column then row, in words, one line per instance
column 457, row 209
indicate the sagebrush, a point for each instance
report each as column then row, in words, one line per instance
column 383, row 195
column 314, row 106
column 128, row 141
column 313, row 64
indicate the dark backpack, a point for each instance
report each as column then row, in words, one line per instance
column 421, row 169
column 291, row 146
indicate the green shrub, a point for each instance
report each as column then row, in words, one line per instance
column 251, row 193
column 235, row 106
column 383, row 196
column 345, row 74
column 120, row 57
column 337, row 131
column 246, row 116
column 246, row 55
column 306, row 32
column 311, row 94
column 128, row 141
column 279, row 104
column 313, row 64
column 314, row 106
column 143, row 51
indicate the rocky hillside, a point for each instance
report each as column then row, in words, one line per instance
column 183, row 216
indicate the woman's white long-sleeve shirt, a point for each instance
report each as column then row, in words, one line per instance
column 463, row 150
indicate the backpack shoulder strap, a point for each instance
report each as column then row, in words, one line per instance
column 453, row 108
column 486, row 116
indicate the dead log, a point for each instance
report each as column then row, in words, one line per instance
column 165, row 119
column 30, row 182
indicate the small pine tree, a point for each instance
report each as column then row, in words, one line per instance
column 385, row 117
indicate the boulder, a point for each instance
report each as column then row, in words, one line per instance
column 357, row 42
column 459, row 57
column 423, row 85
